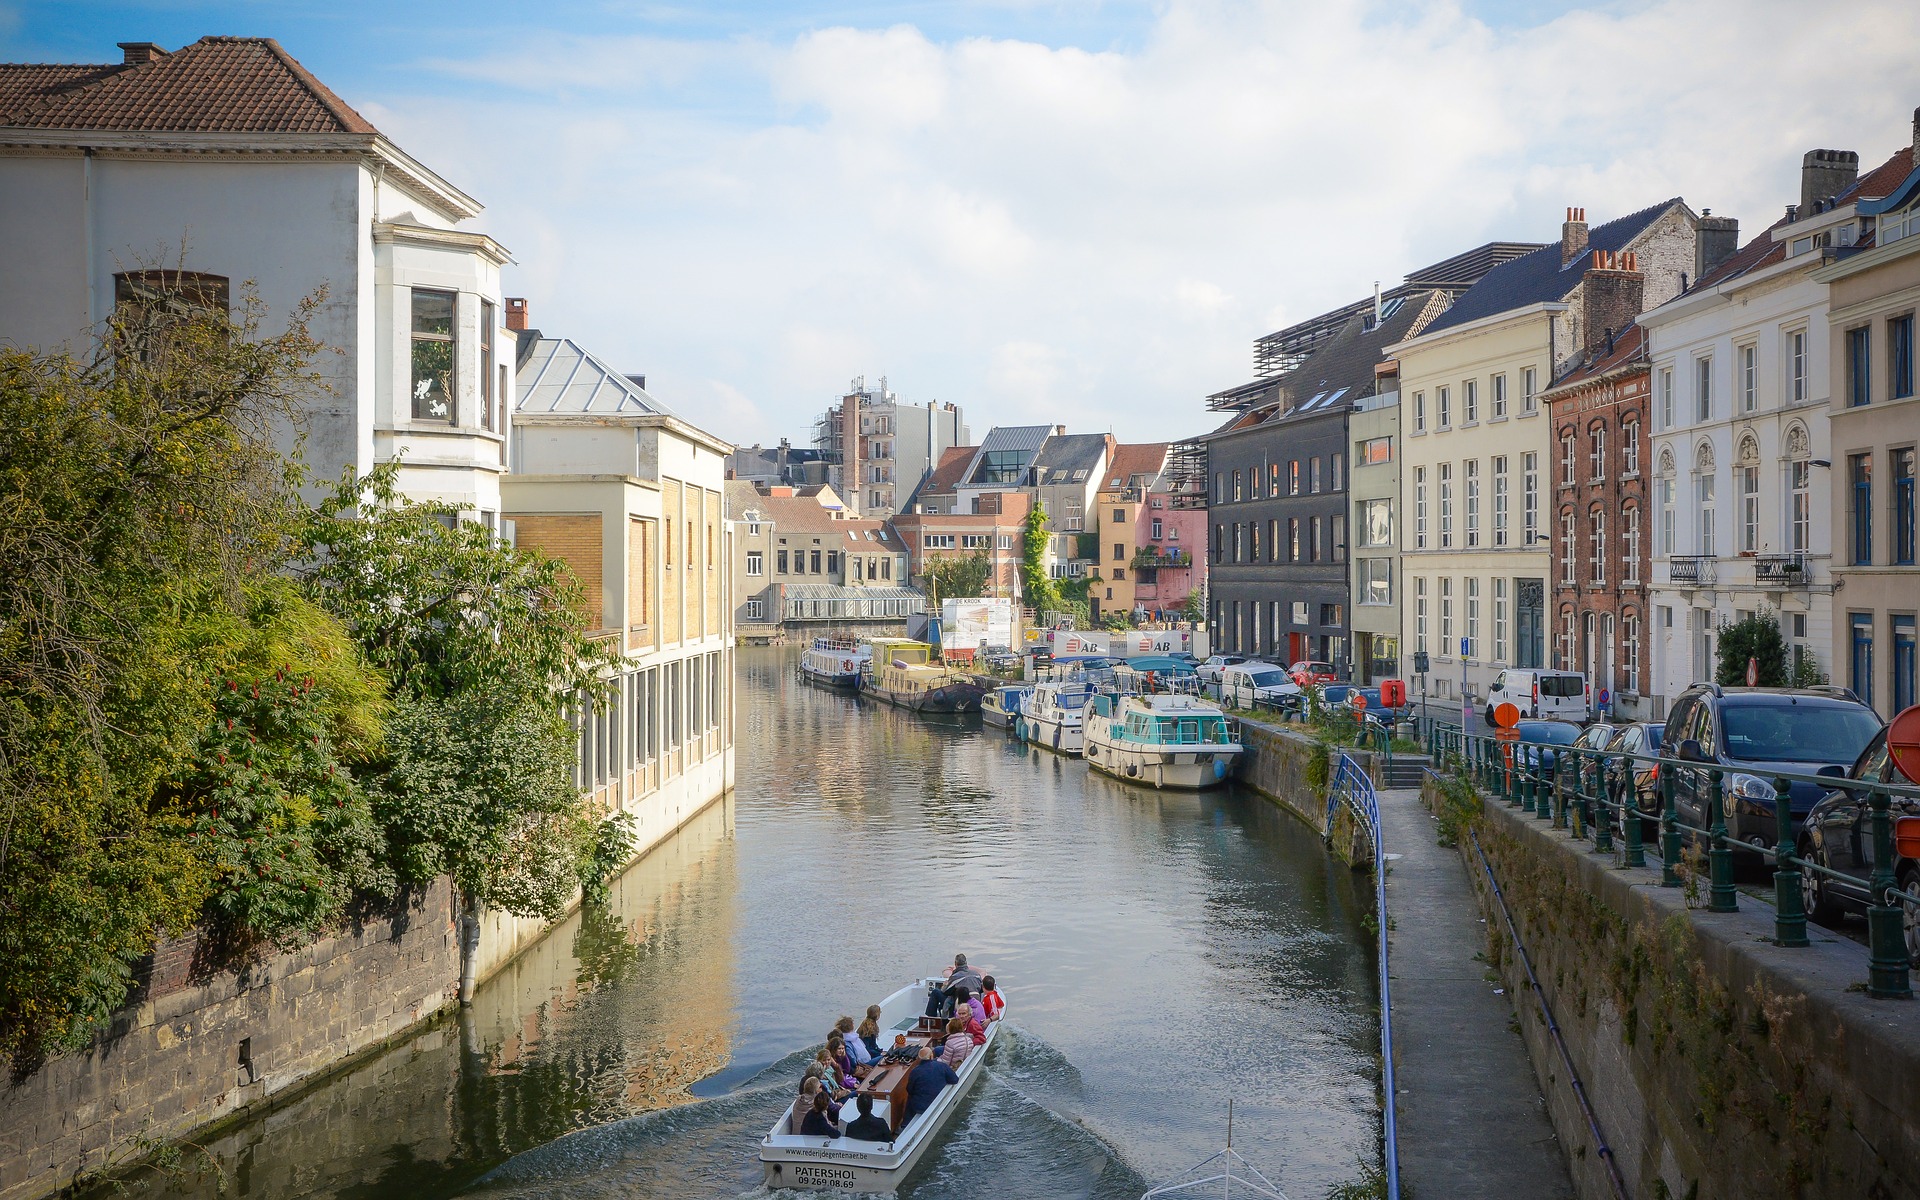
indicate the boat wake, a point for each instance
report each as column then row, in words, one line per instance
column 1019, row 1134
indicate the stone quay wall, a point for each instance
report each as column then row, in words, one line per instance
column 196, row 1045
column 1718, row 1064
column 1277, row 764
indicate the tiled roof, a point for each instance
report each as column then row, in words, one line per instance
column 1146, row 459
column 946, row 474
column 1063, row 454
column 1628, row 346
column 1539, row 277
column 215, row 85
column 1764, row 251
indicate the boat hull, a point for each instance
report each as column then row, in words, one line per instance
column 1053, row 732
column 1182, row 769
column 844, row 683
column 947, row 698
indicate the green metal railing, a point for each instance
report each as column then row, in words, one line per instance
column 1596, row 796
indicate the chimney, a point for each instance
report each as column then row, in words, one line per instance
column 1916, row 136
column 1573, row 235
column 1610, row 299
column 1718, row 240
column 1061, row 430
column 132, row 54
column 1824, row 174
column 517, row 313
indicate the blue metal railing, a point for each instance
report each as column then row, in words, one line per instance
column 1351, row 786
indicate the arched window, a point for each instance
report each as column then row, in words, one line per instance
column 1747, row 476
column 1703, row 498
column 1799, row 456
column 1664, row 489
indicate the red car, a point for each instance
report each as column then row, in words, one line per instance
column 1307, row 673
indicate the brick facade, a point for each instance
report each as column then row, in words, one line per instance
column 575, row 540
column 1600, row 530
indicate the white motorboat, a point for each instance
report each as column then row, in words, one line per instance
column 792, row 1160
column 1003, row 705
column 835, row 661
column 1166, row 741
column 1055, row 714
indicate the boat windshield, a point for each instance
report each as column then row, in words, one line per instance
column 1192, row 731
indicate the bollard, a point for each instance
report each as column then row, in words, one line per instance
column 1790, row 914
column 1630, row 818
column 1720, row 897
column 1669, row 833
column 1887, row 964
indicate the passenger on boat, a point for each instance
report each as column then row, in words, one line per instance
column 831, row 1081
column 940, row 998
column 866, row 1127
column 820, row 1122
column 991, row 999
column 959, row 1042
column 978, row 1008
column 857, row 1052
column 924, row 1084
column 842, row 1059
column 803, row 1103
column 870, row 1037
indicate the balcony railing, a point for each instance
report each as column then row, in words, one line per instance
column 1148, row 558
column 1691, row 571
column 1780, row 570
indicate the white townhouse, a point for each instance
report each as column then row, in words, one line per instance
column 1741, row 503
column 226, row 163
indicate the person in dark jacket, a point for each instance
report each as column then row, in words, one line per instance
column 941, row 997
column 866, row 1127
column 925, row 1083
column 819, row 1122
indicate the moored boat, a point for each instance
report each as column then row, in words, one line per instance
column 1167, row 741
column 902, row 673
column 1054, row 717
column 791, row 1160
column 1003, row 705
column 835, row 661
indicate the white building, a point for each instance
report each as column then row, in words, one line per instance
column 227, row 161
column 1741, row 504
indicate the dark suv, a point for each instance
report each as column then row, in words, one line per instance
column 1754, row 733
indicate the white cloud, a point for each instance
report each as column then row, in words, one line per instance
column 1097, row 236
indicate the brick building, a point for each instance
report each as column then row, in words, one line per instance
column 995, row 527
column 1598, row 413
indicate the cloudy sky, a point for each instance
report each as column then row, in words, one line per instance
column 1063, row 211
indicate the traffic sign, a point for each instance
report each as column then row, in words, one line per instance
column 1506, row 714
column 1466, row 647
column 1753, row 672
column 1903, row 742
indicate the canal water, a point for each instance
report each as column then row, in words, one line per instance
column 1160, row 953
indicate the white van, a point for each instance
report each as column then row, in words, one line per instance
column 1539, row 693
column 1245, row 684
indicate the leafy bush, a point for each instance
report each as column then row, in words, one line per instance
column 1755, row 636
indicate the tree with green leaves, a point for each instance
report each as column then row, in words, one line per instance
column 958, row 575
column 485, row 645
column 1755, row 636
column 1035, row 586
column 145, row 513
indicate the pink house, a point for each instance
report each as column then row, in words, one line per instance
column 1173, row 552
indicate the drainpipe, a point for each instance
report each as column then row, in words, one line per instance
column 469, row 925
column 86, row 219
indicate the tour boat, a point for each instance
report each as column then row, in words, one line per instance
column 1003, row 705
column 1169, row 741
column 792, row 1160
column 902, row 673
column 834, row 662
column 1054, row 716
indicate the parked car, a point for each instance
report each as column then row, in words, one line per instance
column 1308, row 672
column 1754, row 733
column 1641, row 737
column 1249, row 683
column 1540, row 693
column 1209, row 671
column 1538, row 739
column 1838, row 835
column 1592, row 771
